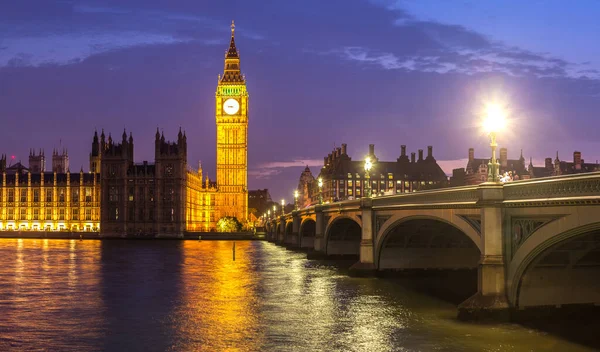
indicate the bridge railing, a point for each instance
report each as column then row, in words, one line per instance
column 567, row 186
column 534, row 190
column 467, row 195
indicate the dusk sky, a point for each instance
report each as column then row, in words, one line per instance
column 320, row 73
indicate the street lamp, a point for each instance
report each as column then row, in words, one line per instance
column 275, row 211
column 296, row 199
column 492, row 123
column 282, row 207
column 368, row 166
column 269, row 213
column 320, row 184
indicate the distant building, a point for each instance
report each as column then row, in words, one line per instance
column 305, row 188
column 344, row 178
column 561, row 167
column 476, row 171
column 260, row 200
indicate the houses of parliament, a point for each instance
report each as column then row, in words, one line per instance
column 121, row 197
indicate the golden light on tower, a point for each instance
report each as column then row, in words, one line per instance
column 320, row 184
column 296, row 194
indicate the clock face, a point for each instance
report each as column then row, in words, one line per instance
column 231, row 106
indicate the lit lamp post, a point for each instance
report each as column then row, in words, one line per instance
column 320, row 184
column 493, row 122
column 368, row 166
column 296, row 199
column 269, row 213
column 274, row 211
column 282, row 207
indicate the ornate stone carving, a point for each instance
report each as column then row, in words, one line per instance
column 574, row 186
column 474, row 221
column 379, row 221
column 522, row 228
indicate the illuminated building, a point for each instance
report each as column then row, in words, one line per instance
column 121, row 197
column 48, row 201
column 231, row 100
column 344, row 178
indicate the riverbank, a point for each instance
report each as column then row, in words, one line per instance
column 68, row 235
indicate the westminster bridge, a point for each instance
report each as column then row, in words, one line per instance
column 534, row 243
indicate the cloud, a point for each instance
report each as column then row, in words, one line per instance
column 428, row 46
column 63, row 49
column 267, row 170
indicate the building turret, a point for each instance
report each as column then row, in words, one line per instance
column 37, row 162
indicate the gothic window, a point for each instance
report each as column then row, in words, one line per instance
column 36, row 195
column 169, row 170
column 61, row 195
column 88, row 194
column 75, row 214
column 11, row 195
column 75, row 195
column 23, row 215
column 113, row 194
column 61, row 214
column 11, row 214
column 23, row 195
column 131, row 193
column 48, row 195
column 131, row 214
column 36, row 214
column 48, row 212
column 88, row 214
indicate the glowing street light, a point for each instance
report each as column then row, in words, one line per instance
column 269, row 213
column 275, row 211
column 296, row 194
column 283, row 207
column 320, row 184
column 368, row 167
column 493, row 122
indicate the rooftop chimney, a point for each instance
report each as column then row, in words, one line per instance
column 471, row 154
column 344, row 148
column 420, row 154
column 577, row 160
column 429, row 152
column 402, row 150
column 371, row 149
column 503, row 157
column 412, row 157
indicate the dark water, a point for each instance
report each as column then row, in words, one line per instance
column 115, row 295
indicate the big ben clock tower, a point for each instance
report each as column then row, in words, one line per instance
column 231, row 112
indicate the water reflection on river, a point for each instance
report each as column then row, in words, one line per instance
column 191, row 296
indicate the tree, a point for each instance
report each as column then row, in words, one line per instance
column 229, row 224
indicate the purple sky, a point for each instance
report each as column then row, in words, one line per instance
column 320, row 73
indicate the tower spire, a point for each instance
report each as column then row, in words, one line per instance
column 231, row 72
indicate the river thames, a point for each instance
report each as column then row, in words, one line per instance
column 117, row 295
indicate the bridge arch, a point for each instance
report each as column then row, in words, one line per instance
column 289, row 227
column 308, row 229
column 427, row 241
column 343, row 235
column 561, row 260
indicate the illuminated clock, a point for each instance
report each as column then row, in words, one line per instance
column 231, row 106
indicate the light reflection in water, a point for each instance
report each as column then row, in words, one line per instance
column 191, row 296
column 219, row 298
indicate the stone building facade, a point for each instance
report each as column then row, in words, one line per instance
column 344, row 178
column 48, row 201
